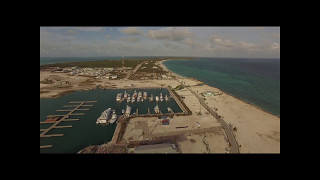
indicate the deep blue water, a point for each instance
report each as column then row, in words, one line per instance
column 256, row 81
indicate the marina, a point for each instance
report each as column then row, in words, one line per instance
column 73, row 140
column 58, row 120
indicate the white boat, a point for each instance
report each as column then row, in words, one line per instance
column 138, row 99
column 170, row 110
column 114, row 117
column 128, row 111
column 133, row 99
column 157, row 98
column 125, row 95
column 105, row 115
column 141, row 99
column 122, row 111
column 140, row 94
column 166, row 98
column 156, row 109
column 128, row 99
column 151, row 98
column 134, row 94
column 161, row 98
column 145, row 94
column 118, row 98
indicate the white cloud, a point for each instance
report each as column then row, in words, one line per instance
column 131, row 31
column 72, row 32
column 129, row 39
column 90, row 29
column 173, row 34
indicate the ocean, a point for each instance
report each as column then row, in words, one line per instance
column 256, row 81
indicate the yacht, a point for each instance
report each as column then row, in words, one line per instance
column 151, row 98
column 134, row 94
column 166, row 98
column 125, row 95
column 128, row 99
column 133, row 99
column 145, row 94
column 118, row 98
column 156, row 109
column 161, row 97
column 140, row 94
column 138, row 99
column 157, row 98
column 128, row 111
column 105, row 115
column 114, row 117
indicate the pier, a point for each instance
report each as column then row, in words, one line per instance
column 64, row 118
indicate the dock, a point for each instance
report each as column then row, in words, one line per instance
column 64, row 118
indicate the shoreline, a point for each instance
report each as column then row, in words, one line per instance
column 238, row 98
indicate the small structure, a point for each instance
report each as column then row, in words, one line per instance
column 208, row 93
column 164, row 76
column 154, row 67
column 165, row 122
column 114, row 76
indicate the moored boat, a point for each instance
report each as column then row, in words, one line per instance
column 166, row 98
column 128, row 111
column 105, row 115
column 156, row 109
column 114, row 117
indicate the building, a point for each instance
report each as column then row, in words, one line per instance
column 108, row 69
column 154, row 67
column 114, row 76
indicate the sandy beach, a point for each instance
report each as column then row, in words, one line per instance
column 257, row 131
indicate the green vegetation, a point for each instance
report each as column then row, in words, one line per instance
column 47, row 81
column 179, row 87
column 96, row 64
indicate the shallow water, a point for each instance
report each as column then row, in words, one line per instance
column 256, row 81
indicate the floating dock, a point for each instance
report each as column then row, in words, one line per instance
column 64, row 118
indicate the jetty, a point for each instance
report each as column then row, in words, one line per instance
column 64, row 117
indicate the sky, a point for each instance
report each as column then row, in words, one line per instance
column 196, row 41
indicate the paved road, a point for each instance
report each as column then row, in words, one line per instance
column 231, row 138
column 135, row 69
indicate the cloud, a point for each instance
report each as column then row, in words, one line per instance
column 72, row 32
column 173, row 34
column 129, row 39
column 89, row 28
column 131, row 31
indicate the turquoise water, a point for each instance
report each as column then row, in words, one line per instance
column 86, row 132
column 256, row 81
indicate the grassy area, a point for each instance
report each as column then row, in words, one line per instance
column 179, row 87
column 95, row 64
